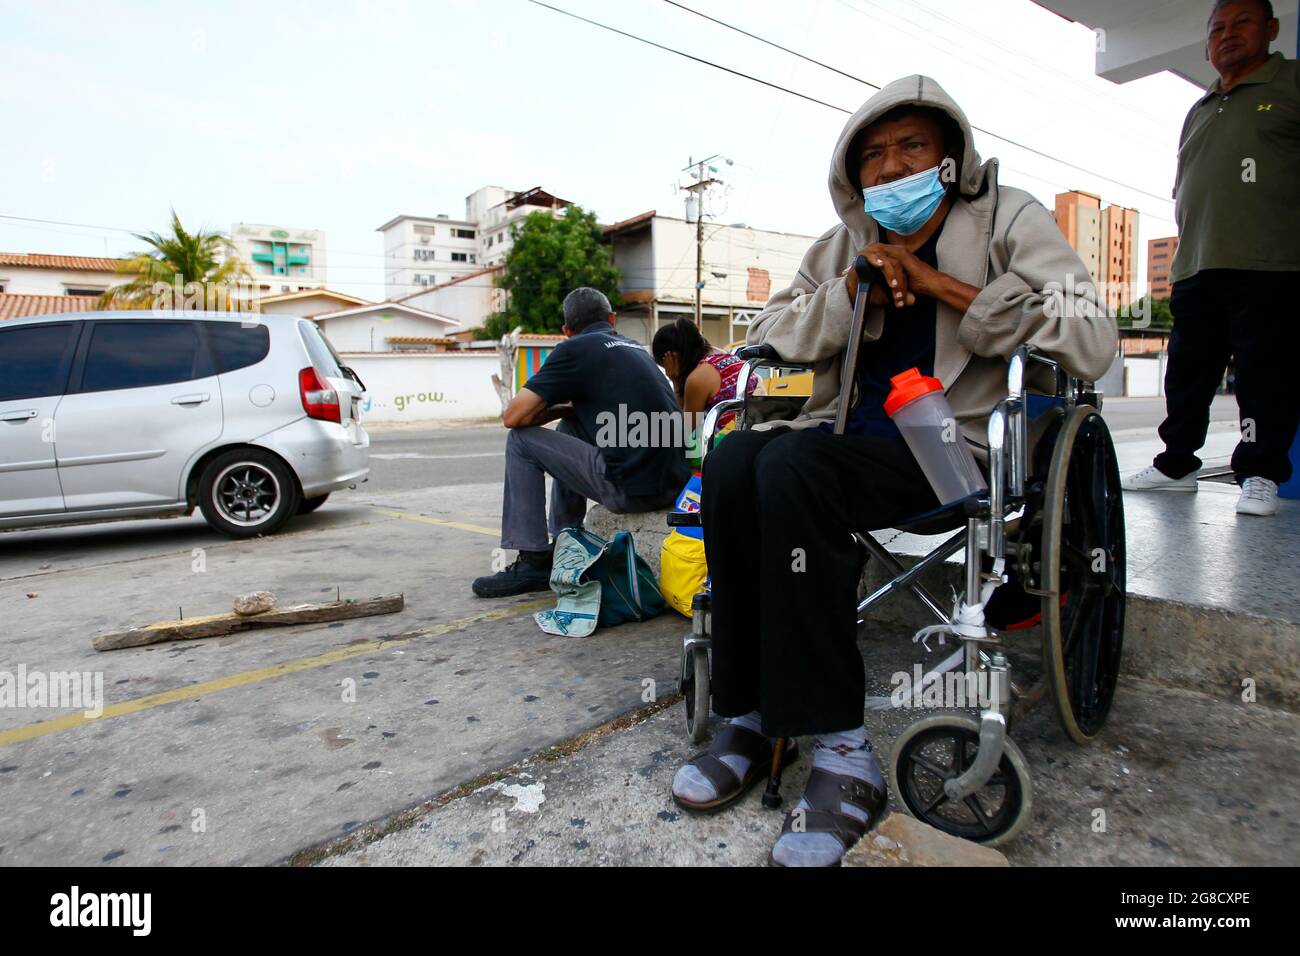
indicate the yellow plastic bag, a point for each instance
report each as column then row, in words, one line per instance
column 682, row 570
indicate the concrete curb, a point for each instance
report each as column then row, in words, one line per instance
column 1209, row 649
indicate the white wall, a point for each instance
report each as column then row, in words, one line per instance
column 1145, row 376
column 442, row 385
column 469, row 302
column 729, row 250
column 369, row 331
column 303, row 307
column 27, row 281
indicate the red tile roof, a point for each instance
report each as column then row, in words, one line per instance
column 626, row 224
column 15, row 305
column 39, row 260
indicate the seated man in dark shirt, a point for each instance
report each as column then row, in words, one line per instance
column 618, row 441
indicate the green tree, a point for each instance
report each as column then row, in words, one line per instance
column 551, row 256
column 197, row 269
column 1150, row 313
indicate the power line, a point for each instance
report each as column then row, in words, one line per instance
column 874, row 86
column 721, row 23
column 1000, row 71
column 1042, row 65
column 79, row 225
column 668, row 49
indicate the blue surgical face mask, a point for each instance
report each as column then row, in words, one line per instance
column 905, row 205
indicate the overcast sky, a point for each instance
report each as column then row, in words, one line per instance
column 339, row 115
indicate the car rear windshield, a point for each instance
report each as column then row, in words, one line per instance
column 323, row 356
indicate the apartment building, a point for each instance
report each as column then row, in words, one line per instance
column 421, row 252
column 1105, row 239
column 1160, row 260
column 281, row 258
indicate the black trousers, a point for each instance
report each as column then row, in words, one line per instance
column 779, row 508
column 1251, row 318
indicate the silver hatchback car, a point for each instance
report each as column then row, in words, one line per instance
column 110, row 415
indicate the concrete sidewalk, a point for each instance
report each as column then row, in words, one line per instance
column 1177, row 778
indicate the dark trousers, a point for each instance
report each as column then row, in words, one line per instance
column 779, row 509
column 578, row 471
column 1251, row 318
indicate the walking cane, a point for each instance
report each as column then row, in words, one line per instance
column 848, row 374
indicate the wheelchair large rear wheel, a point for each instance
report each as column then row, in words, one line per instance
column 941, row 747
column 1083, row 574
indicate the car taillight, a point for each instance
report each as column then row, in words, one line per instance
column 318, row 398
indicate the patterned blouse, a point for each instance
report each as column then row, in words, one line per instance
column 728, row 366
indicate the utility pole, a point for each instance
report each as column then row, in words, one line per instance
column 700, row 170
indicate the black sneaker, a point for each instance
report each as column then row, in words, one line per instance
column 521, row 577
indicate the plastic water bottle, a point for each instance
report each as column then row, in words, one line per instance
column 917, row 405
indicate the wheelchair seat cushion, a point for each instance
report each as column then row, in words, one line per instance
column 943, row 519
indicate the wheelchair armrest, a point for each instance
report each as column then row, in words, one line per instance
column 684, row 519
column 757, row 353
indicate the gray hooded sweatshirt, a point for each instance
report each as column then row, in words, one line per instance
column 1001, row 240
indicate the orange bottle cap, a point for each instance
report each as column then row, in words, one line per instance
column 908, row 387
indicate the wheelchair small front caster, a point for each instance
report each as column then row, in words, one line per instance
column 695, row 670
column 941, row 747
column 695, row 689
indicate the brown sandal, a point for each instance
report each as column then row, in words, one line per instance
column 826, row 791
column 731, row 739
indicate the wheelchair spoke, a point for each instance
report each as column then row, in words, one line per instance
column 1068, row 639
column 1076, row 559
column 939, row 801
column 1085, row 676
column 973, row 805
column 932, row 768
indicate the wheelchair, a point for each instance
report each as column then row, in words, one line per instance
column 1051, row 521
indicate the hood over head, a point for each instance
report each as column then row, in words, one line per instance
column 911, row 90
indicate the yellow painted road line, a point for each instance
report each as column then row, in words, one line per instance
column 231, row 681
column 443, row 522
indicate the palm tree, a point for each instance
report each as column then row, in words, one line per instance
column 180, row 270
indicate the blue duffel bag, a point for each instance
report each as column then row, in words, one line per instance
column 598, row 583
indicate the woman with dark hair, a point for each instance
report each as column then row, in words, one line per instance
column 702, row 375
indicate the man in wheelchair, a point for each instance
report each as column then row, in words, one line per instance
column 967, row 272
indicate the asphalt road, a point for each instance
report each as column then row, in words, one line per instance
column 406, row 459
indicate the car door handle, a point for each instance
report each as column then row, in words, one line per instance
column 196, row 399
column 22, row 416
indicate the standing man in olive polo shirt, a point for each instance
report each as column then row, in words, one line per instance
column 1237, row 270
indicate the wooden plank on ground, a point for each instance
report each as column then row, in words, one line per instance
column 216, row 625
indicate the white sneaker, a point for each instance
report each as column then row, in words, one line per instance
column 1258, row 497
column 1152, row 478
